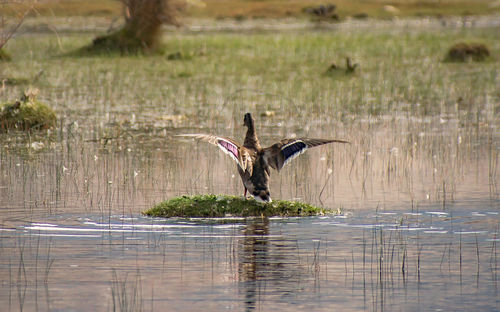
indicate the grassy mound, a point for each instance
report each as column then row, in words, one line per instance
column 123, row 42
column 26, row 114
column 216, row 206
column 464, row 52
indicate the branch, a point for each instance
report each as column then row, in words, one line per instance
column 6, row 36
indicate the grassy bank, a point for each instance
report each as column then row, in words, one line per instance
column 203, row 77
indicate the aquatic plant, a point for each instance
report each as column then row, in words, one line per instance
column 223, row 205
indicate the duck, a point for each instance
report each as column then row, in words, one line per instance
column 253, row 162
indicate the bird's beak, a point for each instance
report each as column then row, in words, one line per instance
column 260, row 200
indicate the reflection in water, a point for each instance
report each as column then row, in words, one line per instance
column 253, row 259
column 269, row 268
column 267, row 265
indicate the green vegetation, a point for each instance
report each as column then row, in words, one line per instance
column 26, row 114
column 121, row 41
column 398, row 71
column 216, row 206
column 13, row 81
column 4, row 56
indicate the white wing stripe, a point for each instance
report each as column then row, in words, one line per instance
column 228, row 148
column 289, row 158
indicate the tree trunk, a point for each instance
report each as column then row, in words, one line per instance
column 142, row 30
column 143, row 19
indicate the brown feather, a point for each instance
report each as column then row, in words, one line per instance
column 243, row 155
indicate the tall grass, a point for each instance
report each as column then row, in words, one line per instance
column 399, row 71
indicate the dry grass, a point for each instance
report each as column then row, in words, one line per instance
column 373, row 8
column 280, row 8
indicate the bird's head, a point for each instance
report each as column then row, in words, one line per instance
column 262, row 196
column 248, row 120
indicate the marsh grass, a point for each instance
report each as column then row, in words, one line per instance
column 126, row 294
column 418, row 126
column 269, row 72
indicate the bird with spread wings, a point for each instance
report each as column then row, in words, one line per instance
column 254, row 162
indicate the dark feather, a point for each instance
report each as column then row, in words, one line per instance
column 292, row 149
column 281, row 153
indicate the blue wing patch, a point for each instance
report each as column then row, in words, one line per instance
column 292, row 150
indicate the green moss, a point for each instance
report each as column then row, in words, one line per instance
column 26, row 114
column 217, row 206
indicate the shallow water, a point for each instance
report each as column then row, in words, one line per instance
column 408, row 238
column 418, row 228
column 425, row 260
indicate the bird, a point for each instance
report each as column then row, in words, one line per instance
column 254, row 162
column 349, row 66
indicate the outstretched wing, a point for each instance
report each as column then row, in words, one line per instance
column 228, row 146
column 281, row 153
